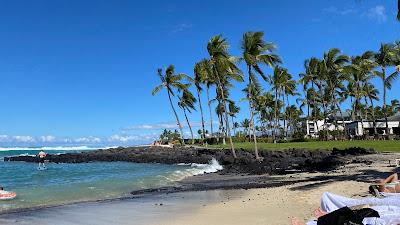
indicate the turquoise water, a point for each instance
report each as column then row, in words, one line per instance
column 68, row 183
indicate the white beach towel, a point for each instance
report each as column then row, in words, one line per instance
column 388, row 208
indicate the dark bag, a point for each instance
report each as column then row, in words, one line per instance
column 346, row 216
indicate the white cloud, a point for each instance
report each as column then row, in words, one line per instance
column 48, row 138
column 87, row 140
column 24, row 139
column 376, row 13
column 165, row 125
column 343, row 12
column 181, row 27
column 132, row 138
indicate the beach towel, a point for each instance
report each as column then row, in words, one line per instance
column 346, row 215
column 388, row 208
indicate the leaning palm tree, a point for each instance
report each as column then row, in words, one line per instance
column 256, row 51
column 224, row 69
column 186, row 103
column 171, row 81
column 385, row 58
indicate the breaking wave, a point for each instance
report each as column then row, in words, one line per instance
column 195, row 169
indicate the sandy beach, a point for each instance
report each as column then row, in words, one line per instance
column 273, row 205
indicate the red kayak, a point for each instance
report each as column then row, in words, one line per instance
column 7, row 195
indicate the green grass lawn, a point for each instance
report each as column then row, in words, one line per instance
column 387, row 146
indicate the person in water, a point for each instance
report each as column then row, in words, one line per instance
column 389, row 185
column 42, row 157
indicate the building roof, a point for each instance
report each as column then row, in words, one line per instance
column 392, row 118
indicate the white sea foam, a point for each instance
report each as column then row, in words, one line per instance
column 56, row 148
column 196, row 169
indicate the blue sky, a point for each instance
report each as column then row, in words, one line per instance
column 81, row 72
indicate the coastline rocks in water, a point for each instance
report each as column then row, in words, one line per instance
column 274, row 162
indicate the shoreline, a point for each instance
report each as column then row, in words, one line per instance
column 356, row 174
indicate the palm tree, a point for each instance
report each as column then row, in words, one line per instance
column 186, row 103
column 233, row 110
column 372, row 94
column 245, row 124
column 200, row 75
column 224, row 69
column 310, row 76
column 277, row 80
column 256, row 51
column 289, row 88
column 398, row 10
column 385, row 58
column 171, row 81
column 333, row 66
column 235, row 126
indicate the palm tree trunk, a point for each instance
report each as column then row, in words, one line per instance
column 209, row 108
column 384, row 101
column 177, row 118
column 190, row 127
column 228, row 131
column 315, row 110
column 284, row 112
column 252, row 117
column 275, row 116
column 202, row 116
column 233, row 126
column 373, row 117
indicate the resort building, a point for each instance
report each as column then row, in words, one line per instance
column 356, row 128
column 366, row 128
column 333, row 122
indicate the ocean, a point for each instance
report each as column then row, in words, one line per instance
column 71, row 183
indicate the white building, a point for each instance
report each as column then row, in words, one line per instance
column 355, row 128
column 313, row 127
column 366, row 128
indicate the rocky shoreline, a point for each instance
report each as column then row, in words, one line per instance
column 274, row 162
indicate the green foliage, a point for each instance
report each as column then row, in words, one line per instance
column 169, row 136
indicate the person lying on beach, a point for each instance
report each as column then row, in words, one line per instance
column 389, row 185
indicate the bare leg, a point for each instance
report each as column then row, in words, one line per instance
column 319, row 212
column 296, row 221
column 391, row 179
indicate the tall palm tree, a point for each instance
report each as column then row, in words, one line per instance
column 246, row 125
column 233, row 110
column 333, row 66
column 289, row 89
column 200, row 76
column 310, row 76
column 186, row 103
column 171, row 81
column 256, row 51
column 224, row 69
column 277, row 80
column 385, row 58
column 373, row 95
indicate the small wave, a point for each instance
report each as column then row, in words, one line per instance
column 196, row 169
column 56, row 148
